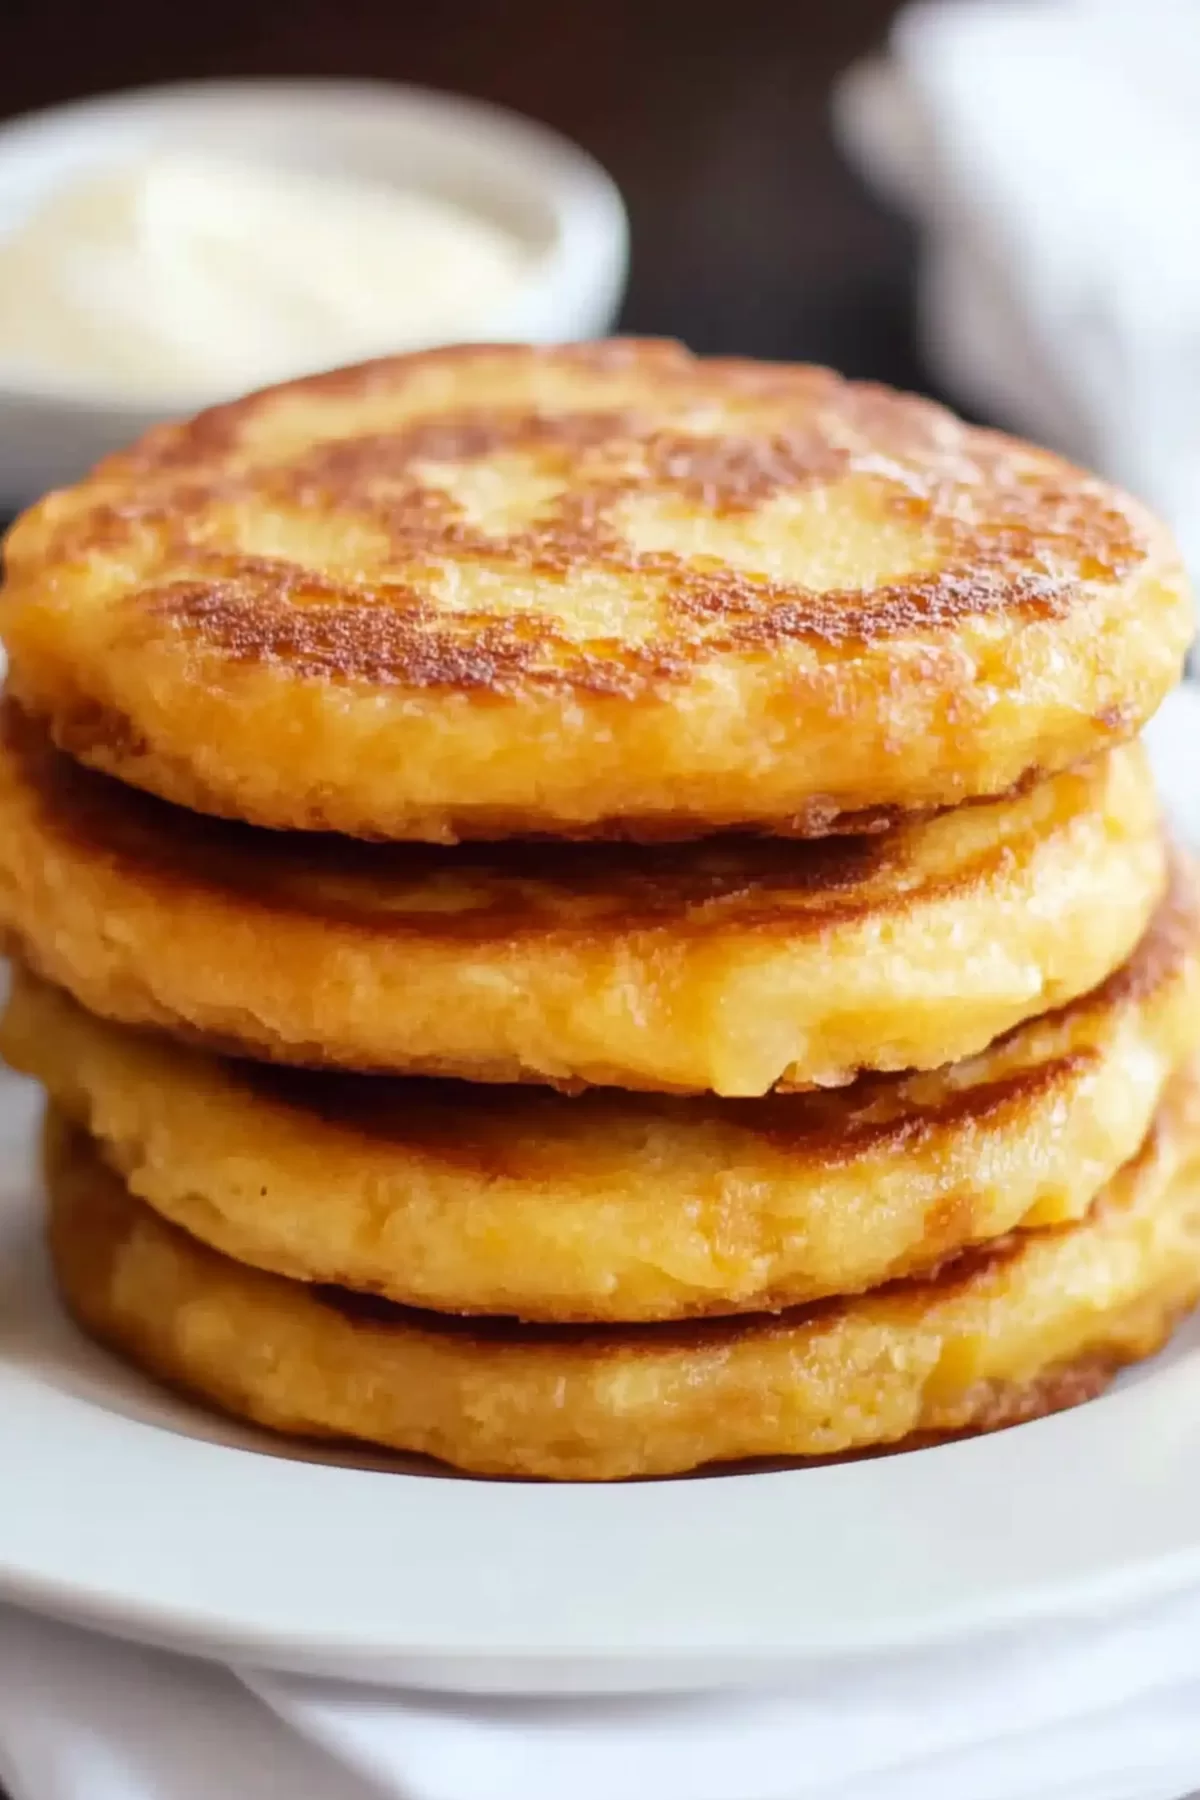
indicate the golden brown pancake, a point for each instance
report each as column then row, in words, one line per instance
column 1031, row 1325
column 619, row 1207
column 602, row 590
column 730, row 965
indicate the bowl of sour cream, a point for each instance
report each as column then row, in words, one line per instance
column 166, row 249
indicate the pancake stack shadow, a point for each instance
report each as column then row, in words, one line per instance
column 589, row 913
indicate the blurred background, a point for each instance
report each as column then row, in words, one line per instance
column 992, row 201
column 749, row 233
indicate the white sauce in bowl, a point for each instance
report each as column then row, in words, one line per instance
column 185, row 274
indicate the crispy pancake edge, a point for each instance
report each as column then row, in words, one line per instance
column 733, row 966
column 619, row 1206
column 1053, row 621
column 994, row 1340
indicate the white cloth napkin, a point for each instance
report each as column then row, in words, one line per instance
column 1050, row 150
column 1105, row 1712
column 1109, row 1711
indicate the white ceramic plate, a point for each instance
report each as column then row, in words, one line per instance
column 127, row 1510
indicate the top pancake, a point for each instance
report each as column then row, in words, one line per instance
column 609, row 590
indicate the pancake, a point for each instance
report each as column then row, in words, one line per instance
column 604, row 590
column 618, row 1207
column 1034, row 1324
column 731, row 965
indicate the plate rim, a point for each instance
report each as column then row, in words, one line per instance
column 194, row 1545
column 664, row 1658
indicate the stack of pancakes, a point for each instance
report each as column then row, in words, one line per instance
column 589, row 912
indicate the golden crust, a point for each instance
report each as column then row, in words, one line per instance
column 731, row 965
column 623, row 1207
column 1031, row 1325
column 602, row 590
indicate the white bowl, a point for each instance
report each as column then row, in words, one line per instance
column 549, row 193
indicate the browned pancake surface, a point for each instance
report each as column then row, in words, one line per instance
column 734, row 965
column 597, row 590
column 616, row 1206
column 1030, row 1325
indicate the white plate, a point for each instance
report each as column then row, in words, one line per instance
column 127, row 1510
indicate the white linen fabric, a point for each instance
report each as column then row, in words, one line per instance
column 1104, row 1711
column 1050, row 152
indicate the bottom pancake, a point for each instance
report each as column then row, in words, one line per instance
column 1037, row 1322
